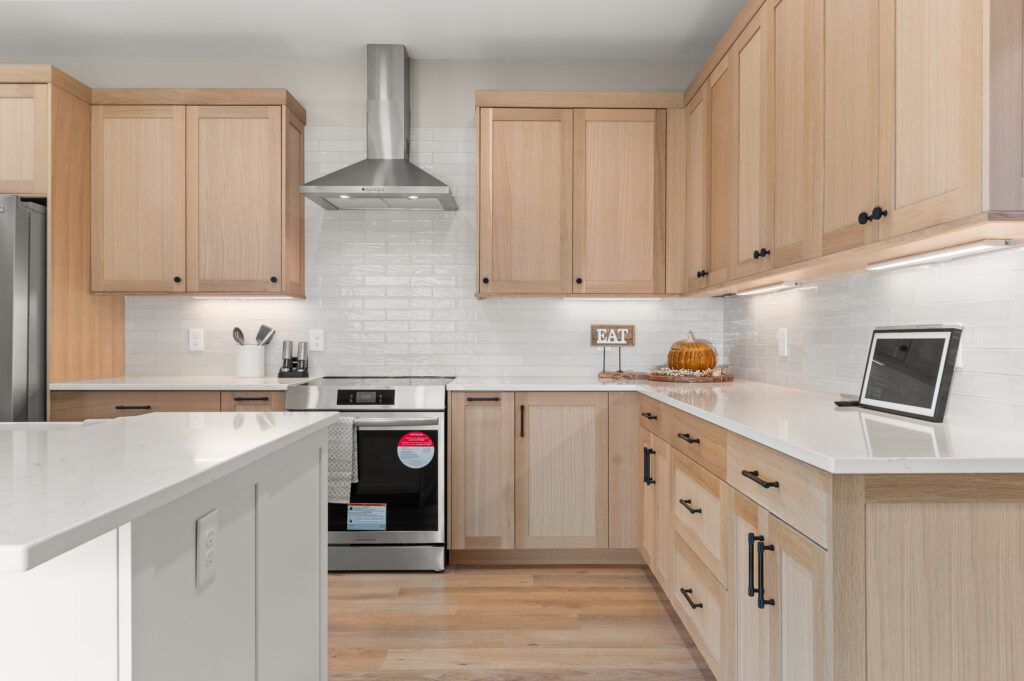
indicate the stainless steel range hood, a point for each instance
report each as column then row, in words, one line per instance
column 386, row 179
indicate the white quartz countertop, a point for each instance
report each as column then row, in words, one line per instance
column 62, row 485
column 179, row 383
column 808, row 426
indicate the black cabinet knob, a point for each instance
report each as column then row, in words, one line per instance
column 878, row 213
column 863, row 218
column 579, row 280
column 177, row 280
column 273, row 280
column 486, row 280
column 757, row 254
column 765, row 252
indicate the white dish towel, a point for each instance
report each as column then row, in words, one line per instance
column 342, row 460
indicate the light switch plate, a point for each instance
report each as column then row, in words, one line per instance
column 783, row 337
column 206, row 549
column 195, row 340
column 316, row 340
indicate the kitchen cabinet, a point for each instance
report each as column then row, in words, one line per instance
column 619, row 201
column 252, row 400
column 750, row 232
column 722, row 181
column 197, row 199
column 752, row 624
column 656, row 544
column 138, row 198
column 24, row 139
column 697, row 243
column 525, row 242
column 482, row 471
column 561, row 470
column 79, row 405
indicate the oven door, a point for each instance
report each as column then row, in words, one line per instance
column 402, row 467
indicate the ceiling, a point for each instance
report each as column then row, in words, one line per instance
column 338, row 29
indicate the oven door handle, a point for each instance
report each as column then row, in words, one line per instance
column 394, row 424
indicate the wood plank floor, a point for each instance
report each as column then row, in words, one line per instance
column 507, row 624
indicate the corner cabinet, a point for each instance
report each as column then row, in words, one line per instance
column 197, row 199
column 572, row 197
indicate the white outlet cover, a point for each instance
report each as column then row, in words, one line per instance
column 316, row 340
column 195, row 340
column 206, row 549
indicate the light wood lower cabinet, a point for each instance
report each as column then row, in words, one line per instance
column 78, row 405
column 656, row 538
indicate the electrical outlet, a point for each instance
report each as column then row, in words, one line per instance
column 316, row 340
column 206, row 549
column 783, row 337
column 195, row 340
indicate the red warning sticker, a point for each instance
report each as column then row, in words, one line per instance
column 416, row 449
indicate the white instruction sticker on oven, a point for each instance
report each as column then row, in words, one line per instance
column 416, row 449
column 367, row 516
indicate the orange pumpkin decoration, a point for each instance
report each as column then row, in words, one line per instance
column 692, row 354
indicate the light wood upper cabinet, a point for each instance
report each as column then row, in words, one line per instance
column 619, row 201
column 722, row 180
column 138, row 198
column 561, row 470
column 525, row 213
column 24, row 139
column 750, row 244
column 482, row 464
column 795, row 134
column 697, row 244
column 930, row 134
column 294, row 259
column 235, row 229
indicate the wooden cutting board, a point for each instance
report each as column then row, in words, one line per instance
column 724, row 378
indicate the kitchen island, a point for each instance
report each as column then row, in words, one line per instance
column 164, row 546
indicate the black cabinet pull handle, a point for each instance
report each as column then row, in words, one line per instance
column 702, row 273
column 522, row 420
column 686, row 436
column 647, row 466
column 483, row 399
column 650, row 480
column 649, row 416
column 177, row 280
column 751, row 539
column 129, row 406
column 761, row 600
column 486, row 280
column 877, row 213
column 863, row 218
column 686, row 594
column 264, row 398
column 686, row 504
column 759, row 480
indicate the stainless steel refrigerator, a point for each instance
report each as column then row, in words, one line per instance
column 22, row 310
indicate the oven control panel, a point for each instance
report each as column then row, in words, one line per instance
column 365, row 397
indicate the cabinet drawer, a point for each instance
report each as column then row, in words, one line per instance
column 652, row 415
column 701, row 441
column 251, row 400
column 698, row 501
column 78, row 405
column 792, row 490
column 701, row 603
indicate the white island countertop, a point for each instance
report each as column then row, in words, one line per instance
column 809, row 427
column 62, row 485
column 226, row 383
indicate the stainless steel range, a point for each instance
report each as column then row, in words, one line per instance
column 395, row 518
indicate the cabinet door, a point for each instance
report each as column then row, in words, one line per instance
column 619, row 201
column 24, row 139
column 294, row 205
column 750, row 242
column 676, row 256
column 697, row 248
column 931, row 85
column 795, row 582
column 561, row 470
column 138, row 198
column 525, row 214
column 481, row 501
column 662, row 467
column 751, row 659
column 722, row 171
column 796, row 138
column 648, row 532
column 233, row 186
column 251, row 400
column 851, row 126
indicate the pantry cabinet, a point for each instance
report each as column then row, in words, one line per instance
column 24, row 139
column 196, row 198
column 138, row 198
column 525, row 231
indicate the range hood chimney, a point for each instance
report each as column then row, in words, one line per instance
column 386, row 179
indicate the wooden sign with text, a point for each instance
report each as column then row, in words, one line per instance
column 612, row 335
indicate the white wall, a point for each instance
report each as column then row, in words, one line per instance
column 394, row 291
column 830, row 322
